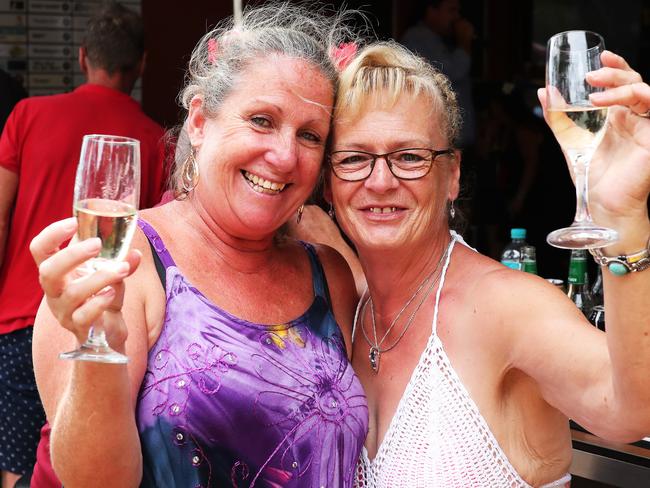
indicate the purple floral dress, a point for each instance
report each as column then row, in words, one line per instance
column 230, row 403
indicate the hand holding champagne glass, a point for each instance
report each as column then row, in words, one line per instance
column 577, row 125
column 106, row 196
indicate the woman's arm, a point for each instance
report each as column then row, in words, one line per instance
column 601, row 380
column 90, row 406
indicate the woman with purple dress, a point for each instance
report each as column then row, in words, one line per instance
column 237, row 338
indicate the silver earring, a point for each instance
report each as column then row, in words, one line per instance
column 300, row 211
column 330, row 212
column 190, row 173
column 452, row 210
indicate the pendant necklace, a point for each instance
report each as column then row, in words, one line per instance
column 375, row 347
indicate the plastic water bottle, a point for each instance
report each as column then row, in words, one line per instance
column 511, row 255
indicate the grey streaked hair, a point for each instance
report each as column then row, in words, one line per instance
column 302, row 31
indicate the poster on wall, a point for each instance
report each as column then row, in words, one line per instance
column 40, row 40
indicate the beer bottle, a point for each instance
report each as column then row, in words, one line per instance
column 597, row 317
column 577, row 289
column 528, row 259
column 597, row 289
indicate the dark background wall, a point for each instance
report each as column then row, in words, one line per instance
column 172, row 28
column 511, row 35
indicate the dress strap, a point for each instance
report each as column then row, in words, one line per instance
column 318, row 279
column 356, row 314
column 460, row 240
column 157, row 244
column 454, row 239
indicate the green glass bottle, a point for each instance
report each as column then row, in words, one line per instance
column 578, row 289
column 528, row 259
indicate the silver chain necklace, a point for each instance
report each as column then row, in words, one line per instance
column 375, row 347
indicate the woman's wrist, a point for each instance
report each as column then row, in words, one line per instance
column 630, row 253
column 633, row 235
column 623, row 264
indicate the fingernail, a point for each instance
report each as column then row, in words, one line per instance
column 92, row 244
column 596, row 97
column 122, row 269
column 107, row 292
column 70, row 224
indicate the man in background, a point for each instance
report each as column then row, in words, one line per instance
column 39, row 151
column 444, row 39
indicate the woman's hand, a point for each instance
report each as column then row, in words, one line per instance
column 619, row 174
column 77, row 301
column 318, row 227
column 620, row 170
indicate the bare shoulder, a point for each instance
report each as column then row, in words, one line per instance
column 505, row 298
column 502, row 287
column 168, row 221
column 341, row 286
column 517, row 309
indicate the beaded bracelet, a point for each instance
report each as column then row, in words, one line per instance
column 624, row 264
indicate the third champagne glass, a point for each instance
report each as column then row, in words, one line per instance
column 106, row 196
column 577, row 125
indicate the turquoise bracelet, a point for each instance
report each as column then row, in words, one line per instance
column 624, row 264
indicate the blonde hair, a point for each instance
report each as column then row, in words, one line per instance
column 385, row 71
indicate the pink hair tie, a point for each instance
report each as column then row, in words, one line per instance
column 343, row 54
column 213, row 50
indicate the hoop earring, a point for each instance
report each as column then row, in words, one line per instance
column 301, row 209
column 190, row 173
column 452, row 210
column 330, row 212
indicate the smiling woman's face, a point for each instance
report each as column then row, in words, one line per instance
column 260, row 156
column 383, row 212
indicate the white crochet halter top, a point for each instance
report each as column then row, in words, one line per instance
column 437, row 437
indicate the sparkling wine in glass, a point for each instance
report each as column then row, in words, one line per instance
column 106, row 196
column 578, row 126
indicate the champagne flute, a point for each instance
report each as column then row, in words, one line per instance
column 106, row 196
column 578, row 126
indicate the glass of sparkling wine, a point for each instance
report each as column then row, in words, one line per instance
column 106, row 196
column 578, row 126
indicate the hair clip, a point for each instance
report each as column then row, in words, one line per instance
column 343, row 54
column 213, row 49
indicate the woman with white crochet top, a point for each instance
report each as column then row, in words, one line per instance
column 472, row 369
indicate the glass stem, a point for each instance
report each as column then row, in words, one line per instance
column 96, row 337
column 581, row 173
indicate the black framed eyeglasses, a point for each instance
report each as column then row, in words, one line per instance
column 405, row 164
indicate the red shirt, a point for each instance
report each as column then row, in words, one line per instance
column 41, row 143
column 43, row 475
